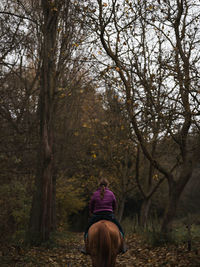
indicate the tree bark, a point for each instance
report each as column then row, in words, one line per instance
column 42, row 217
column 170, row 213
column 121, row 208
column 144, row 212
column 175, row 191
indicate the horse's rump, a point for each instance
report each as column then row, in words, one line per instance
column 104, row 243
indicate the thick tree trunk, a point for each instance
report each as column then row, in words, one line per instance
column 42, row 217
column 144, row 212
column 175, row 191
column 170, row 213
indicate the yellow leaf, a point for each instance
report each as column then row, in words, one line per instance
column 54, row 9
column 94, row 156
column 117, row 69
column 62, row 95
column 85, row 125
column 105, row 4
column 150, row 7
column 155, row 177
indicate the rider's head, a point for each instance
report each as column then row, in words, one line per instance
column 103, row 182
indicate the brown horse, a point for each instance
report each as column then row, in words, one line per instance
column 104, row 243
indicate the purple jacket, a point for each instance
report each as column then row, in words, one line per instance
column 108, row 203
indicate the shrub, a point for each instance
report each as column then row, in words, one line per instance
column 14, row 210
column 69, row 200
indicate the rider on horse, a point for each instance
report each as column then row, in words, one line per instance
column 102, row 206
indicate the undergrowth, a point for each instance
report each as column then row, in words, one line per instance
column 152, row 234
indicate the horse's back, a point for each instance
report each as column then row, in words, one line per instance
column 112, row 227
column 106, row 226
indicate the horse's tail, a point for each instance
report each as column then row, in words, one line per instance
column 104, row 246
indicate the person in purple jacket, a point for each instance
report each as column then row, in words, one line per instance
column 102, row 207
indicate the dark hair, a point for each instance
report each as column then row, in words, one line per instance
column 103, row 184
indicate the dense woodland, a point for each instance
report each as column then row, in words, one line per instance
column 93, row 89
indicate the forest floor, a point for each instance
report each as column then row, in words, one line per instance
column 67, row 254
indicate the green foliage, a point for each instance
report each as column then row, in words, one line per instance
column 69, row 199
column 14, row 210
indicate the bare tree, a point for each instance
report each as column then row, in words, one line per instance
column 153, row 48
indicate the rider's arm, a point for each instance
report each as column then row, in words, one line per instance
column 114, row 204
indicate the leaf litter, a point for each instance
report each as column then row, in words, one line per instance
column 67, row 254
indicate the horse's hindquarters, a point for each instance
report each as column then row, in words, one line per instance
column 104, row 242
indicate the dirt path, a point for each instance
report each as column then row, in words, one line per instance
column 68, row 255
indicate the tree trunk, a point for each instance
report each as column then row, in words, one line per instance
column 170, row 213
column 121, row 209
column 175, row 191
column 144, row 212
column 42, row 217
